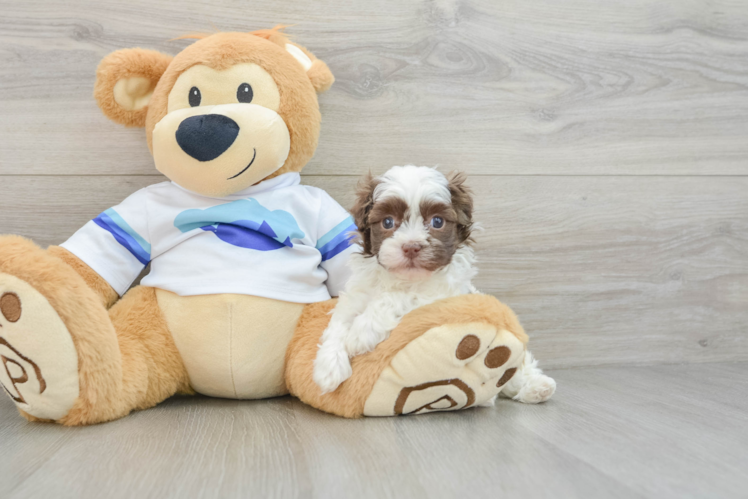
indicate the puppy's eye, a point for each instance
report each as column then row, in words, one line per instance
column 437, row 223
column 244, row 93
column 195, row 97
column 388, row 223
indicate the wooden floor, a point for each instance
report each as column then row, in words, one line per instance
column 662, row 431
column 607, row 143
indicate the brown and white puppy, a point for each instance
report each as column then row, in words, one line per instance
column 414, row 227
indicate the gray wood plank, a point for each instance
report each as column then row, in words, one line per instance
column 480, row 456
column 233, row 450
column 666, row 431
column 601, row 270
column 659, row 431
column 507, row 87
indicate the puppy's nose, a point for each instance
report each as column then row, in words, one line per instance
column 411, row 250
column 206, row 137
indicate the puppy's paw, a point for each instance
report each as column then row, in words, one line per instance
column 331, row 367
column 363, row 343
column 363, row 337
column 536, row 389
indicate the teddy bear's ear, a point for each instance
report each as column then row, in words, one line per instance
column 125, row 81
column 317, row 71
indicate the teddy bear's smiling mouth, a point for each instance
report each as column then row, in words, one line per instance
column 254, row 155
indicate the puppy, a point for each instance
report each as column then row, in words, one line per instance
column 414, row 226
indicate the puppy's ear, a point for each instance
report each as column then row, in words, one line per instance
column 362, row 208
column 462, row 202
column 125, row 81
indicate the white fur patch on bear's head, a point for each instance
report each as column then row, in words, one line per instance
column 299, row 55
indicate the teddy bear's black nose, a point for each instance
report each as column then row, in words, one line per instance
column 206, row 137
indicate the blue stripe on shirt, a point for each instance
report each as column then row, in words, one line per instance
column 125, row 235
column 337, row 239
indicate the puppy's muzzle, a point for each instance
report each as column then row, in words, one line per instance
column 411, row 250
column 206, row 137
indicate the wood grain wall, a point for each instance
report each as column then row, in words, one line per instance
column 607, row 143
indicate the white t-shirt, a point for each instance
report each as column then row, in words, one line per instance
column 277, row 239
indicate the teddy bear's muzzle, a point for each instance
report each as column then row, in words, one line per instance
column 219, row 150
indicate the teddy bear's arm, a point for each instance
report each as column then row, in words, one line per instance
column 336, row 242
column 115, row 246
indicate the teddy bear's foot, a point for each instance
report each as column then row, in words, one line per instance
column 59, row 352
column 449, row 367
column 39, row 361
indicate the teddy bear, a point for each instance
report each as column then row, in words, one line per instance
column 245, row 261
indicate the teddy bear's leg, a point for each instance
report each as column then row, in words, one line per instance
column 455, row 353
column 100, row 287
column 65, row 357
column 152, row 368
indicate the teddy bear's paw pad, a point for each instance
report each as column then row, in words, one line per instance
column 39, row 362
column 449, row 367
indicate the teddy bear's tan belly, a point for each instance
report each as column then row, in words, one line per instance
column 233, row 346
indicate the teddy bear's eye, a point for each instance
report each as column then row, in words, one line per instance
column 244, row 93
column 195, row 97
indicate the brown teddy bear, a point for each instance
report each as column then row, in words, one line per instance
column 244, row 260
